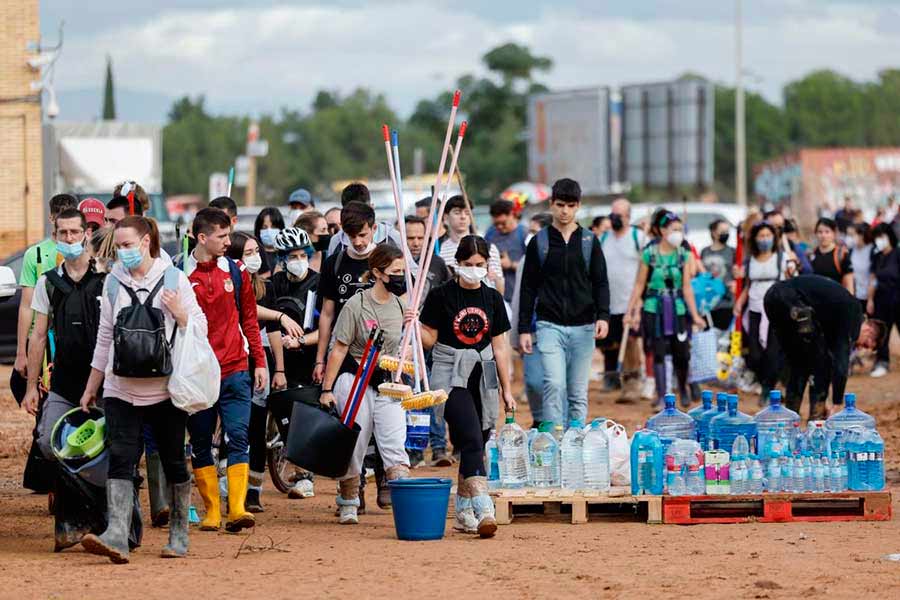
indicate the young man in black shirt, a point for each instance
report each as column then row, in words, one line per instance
column 817, row 323
column 565, row 275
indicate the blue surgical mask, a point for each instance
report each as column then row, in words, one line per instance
column 130, row 257
column 267, row 237
column 70, row 251
column 765, row 245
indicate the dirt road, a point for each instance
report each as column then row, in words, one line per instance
column 309, row 555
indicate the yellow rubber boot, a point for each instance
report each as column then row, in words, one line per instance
column 208, row 485
column 238, row 517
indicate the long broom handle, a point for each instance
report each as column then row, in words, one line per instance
column 425, row 263
column 376, row 350
column 355, row 398
column 359, row 371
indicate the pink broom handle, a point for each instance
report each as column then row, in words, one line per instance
column 425, row 263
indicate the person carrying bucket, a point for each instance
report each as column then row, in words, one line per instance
column 379, row 306
column 464, row 321
column 141, row 289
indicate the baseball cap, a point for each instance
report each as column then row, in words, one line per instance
column 300, row 196
column 93, row 210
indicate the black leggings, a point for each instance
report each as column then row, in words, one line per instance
column 124, row 423
column 463, row 415
column 257, row 435
column 764, row 362
column 660, row 346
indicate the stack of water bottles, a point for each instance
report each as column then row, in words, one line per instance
column 548, row 458
column 856, row 442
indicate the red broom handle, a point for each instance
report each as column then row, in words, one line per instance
column 359, row 371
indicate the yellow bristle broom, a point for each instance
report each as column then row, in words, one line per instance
column 390, row 363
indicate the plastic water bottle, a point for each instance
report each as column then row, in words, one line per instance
column 875, row 447
column 671, row 423
column 772, row 415
column 513, row 446
column 773, row 475
column 808, row 484
column 738, row 477
column 418, row 426
column 858, row 455
column 787, row 471
column 492, row 461
column 595, row 455
column 817, row 439
column 723, row 429
column 674, row 477
column 558, row 432
column 647, row 463
column 706, row 399
column 799, row 476
column 707, row 416
column 572, row 461
column 695, row 482
column 532, row 433
column 544, row 458
column 681, row 456
column 819, row 474
column 756, row 477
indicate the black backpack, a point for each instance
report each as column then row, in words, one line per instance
column 291, row 305
column 139, row 335
column 74, row 314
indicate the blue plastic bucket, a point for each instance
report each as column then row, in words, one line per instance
column 418, row 428
column 420, row 507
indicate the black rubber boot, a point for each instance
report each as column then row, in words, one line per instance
column 159, row 491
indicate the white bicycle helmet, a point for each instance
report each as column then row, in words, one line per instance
column 292, row 238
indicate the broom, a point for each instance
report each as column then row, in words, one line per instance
column 359, row 371
column 367, row 377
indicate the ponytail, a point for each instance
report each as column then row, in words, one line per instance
column 143, row 226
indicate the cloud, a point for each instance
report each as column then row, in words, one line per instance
column 258, row 57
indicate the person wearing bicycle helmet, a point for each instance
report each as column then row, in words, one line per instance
column 292, row 291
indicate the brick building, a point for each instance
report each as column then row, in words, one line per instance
column 22, row 206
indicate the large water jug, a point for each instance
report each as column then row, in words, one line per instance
column 492, row 461
column 857, row 459
column 849, row 417
column 647, row 462
column 707, row 416
column 572, row 462
column 596, row 457
column 671, row 423
column 767, row 420
column 875, row 447
column 684, row 465
column 513, row 447
column 544, row 457
column 706, row 399
column 723, row 429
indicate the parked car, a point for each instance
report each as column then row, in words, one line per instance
column 9, row 307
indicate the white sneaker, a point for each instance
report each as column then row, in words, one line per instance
column 879, row 371
column 348, row 516
column 302, row 489
column 465, row 520
column 648, row 391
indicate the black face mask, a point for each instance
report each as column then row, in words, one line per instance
column 396, row 284
column 322, row 244
column 616, row 221
column 723, row 237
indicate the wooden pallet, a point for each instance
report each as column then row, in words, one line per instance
column 511, row 503
column 777, row 508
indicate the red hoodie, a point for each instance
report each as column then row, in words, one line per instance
column 228, row 334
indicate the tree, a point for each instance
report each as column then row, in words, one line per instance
column 882, row 119
column 825, row 108
column 109, row 100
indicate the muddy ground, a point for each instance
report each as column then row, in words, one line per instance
column 297, row 548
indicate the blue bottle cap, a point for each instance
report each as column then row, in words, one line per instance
column 669, row 400
column 576, row 423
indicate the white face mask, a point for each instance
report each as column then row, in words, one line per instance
column 354, row 254
column 298, row 267
column 253, row 262
column 471, row 275
column 882, row 242
column 528, row 238
column 294, row 215
column 675, row 238
column 850, row 241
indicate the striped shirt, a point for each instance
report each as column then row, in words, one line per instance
column 448, row 253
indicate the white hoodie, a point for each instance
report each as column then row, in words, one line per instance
column 138, row 391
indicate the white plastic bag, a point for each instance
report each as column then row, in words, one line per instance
column 196, row 375
column 619, row 454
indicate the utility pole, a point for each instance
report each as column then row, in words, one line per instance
column 252, row 138
column 740, row 138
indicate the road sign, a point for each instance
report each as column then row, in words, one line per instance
column 218, row 185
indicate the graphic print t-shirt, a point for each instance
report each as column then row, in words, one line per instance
column 344, row 282
column 465, row 318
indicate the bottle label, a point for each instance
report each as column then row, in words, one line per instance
column 873, row 456
column 862, row 456
column 644, row 456
column 418, row 420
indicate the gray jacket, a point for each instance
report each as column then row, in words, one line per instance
column 452, row 368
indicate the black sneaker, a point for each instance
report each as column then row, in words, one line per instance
column 416, row 458
column 440, row 458
column 252, row 502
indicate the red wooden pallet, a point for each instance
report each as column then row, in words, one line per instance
column 777, row 508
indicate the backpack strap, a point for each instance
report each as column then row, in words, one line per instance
column 543, row 244
column 587, row 247
column 634, row 237
column 112, row 289
column 58, row 283
column 149, row 300
column 604, row 237
column 238, row 280
column 337, row 262
column 838, row 254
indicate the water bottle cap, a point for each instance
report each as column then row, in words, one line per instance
column 510, row 419
column 732, row 402
column 669, row 400
column 706, row 396
column 595, row 424
column 775, row 397
column 576, row 423
column 545, row 427
column 850, row 399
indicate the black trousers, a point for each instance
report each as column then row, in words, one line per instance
column 463, row 415
column 125, row 421
column 764, row 362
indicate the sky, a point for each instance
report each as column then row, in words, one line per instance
column 254, row 57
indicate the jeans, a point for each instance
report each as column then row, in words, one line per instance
column 534, row 383
column 437, row 434
column 234, row 408
column 125, row 421
column 566, row 353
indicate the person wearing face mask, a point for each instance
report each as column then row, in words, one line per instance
column 316, row 227
column 665, row 274
column 718, row 258
column 884, row 290
column 458, row 219
column 622, row 247
column 65, row 301
column 859, row 242
column 269, row 223
column 831, row 258
column 225, row 291
column 766, row 265
column 129, row 402
column 464, row 321
column 299, row 202
column 508, row 235
column 379, row 305
column 381, row 232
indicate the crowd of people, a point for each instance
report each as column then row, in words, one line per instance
column 292, row 304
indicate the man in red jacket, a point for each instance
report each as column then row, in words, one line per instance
column 225, row 294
